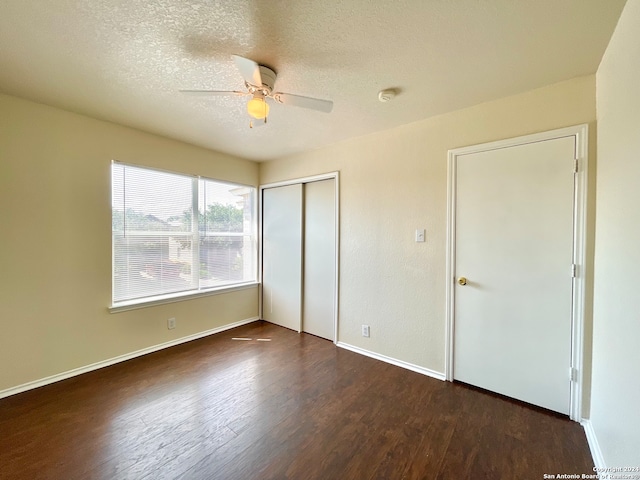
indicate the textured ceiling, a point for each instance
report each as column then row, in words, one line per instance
column 125, row 60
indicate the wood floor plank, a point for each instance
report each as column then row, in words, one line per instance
column 296, row 407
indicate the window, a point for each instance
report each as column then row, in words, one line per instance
column 177, row 234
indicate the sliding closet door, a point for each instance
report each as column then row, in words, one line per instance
column 319, row 258
column 282, row 255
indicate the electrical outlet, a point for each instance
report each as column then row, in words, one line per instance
column 365, row 330
column 171, row 323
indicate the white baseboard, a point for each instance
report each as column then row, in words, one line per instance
column 393, row 361
column 594, row 446
column 121, row 358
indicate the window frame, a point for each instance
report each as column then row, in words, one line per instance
column 198, row 291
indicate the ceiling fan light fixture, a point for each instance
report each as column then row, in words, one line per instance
column 257, row 107
column 259, row 82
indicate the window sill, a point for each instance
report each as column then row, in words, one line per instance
column 179, row 297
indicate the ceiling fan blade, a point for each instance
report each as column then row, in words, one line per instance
column 249, row 69
column 213, row 92
column 304, row 102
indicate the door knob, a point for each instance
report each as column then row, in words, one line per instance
column 462, row 280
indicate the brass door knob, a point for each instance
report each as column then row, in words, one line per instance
column 462, row 280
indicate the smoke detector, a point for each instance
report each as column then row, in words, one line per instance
column 386, row 95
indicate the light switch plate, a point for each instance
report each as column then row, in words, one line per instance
column 420, row 235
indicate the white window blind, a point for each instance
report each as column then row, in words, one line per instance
column 174, row 234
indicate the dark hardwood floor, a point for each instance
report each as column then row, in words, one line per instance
column 296, row 407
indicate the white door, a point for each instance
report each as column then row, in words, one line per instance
column 514, row 244
column 282, row 256
column 319, row 258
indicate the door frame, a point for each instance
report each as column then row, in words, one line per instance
column 302, row 180
column 580, row 132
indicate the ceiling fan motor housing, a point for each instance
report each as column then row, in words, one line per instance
column 268, row 80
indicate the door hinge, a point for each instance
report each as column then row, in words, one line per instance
column 575, row 166
column 574, row 270
column 573, row 374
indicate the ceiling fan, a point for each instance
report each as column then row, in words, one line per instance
column 259, row 81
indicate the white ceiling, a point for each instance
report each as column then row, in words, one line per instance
column 125, row 60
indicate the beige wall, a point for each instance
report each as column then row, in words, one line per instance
column 396, row 181
column 55, row 246
column 616, row 341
